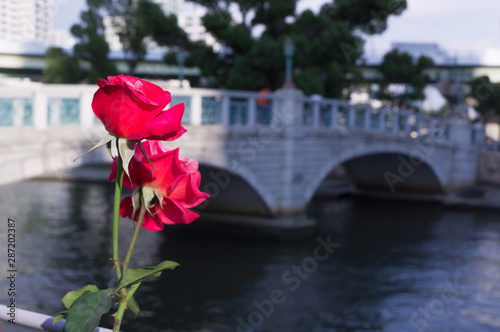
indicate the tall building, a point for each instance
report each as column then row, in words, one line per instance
column 190, row 22
column 25, row 20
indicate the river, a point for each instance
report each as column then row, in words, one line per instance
column 372, row 265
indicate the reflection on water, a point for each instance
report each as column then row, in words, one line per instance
column 399, row 266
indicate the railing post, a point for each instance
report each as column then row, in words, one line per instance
column 479, row 130
column 40, row 111
column 335, row 110
column 351, row 121
column 315, row 122
column 407, row 124
column 367, row 117
column 288, row 107
column 196, row 109
column 419, row 124
column 18, row 112
column 86, row 113
column 225, row 109
column 460, row 132
column 381, row 119
column 251, row 112
column 395, row 122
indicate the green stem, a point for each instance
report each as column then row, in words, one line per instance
column 116, row 214
column 119, row 316
column 134, row 237
column 130, row 292
column 123, row 304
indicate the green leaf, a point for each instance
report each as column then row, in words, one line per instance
column 70, row 297
column 133, row 306
column 102, row 142
column 108, row 146
column 87, row 310
column 59, row 317
column 126, row 150
column 139, row 273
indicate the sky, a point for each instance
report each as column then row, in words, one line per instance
column 461, row 27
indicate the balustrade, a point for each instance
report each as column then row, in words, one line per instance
column 42, row 106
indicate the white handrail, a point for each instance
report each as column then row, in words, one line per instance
column 393, row 121
column 35, row 320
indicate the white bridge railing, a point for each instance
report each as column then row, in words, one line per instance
column 43, row 106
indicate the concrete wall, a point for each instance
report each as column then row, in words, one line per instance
column 27, row 152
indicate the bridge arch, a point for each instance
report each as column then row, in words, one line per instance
column 234, row 186
column 361, row 151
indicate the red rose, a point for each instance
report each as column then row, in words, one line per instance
column 134, row 109
column 175, row 185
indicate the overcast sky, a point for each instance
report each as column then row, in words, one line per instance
column 458, row 26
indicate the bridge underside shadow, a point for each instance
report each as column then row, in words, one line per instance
column 392, row 173
column 230, row 194
column 236, row 208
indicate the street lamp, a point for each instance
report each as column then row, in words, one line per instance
column 288, row 51
column 180, row 57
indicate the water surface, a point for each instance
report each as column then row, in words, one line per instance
column 399, row 266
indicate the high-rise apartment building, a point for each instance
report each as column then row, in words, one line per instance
column 189, row 21
column 25, row 20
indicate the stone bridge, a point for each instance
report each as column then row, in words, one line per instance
column 262, row 156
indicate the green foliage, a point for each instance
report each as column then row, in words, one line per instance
column 61, row 68
column 401, row 68
column 92, row 48
column 133, row 306
column 370, row 16
column 136, row 21
column 327, row 44
column 164, row 29
column 487, row 94
column 71, row 296
column 131, row 25
column 139, row 273
column 87, row 310
column 87, row 304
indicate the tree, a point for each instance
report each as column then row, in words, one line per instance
column 89, row 61
column 129, row 27
column 162, row 28
column 487, row 94
column 404, row 79
column 61, row 68
column 328, row 44
column 92, row 46
column 136, row 22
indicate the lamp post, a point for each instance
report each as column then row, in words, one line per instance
column 180, row 57
column 288, row 51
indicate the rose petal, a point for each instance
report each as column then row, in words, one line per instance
column 186, row 191
column 174, row 213
column 143, row 92
column 119, row 114
column 124, row 104
column 165, row 127
column 169, row 169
